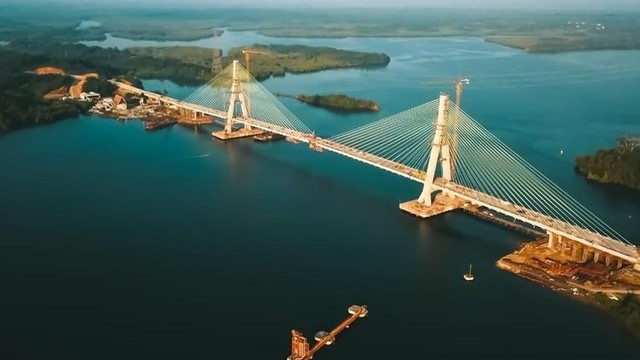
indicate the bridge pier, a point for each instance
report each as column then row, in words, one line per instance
column 428, row 205
column 574, row 251
column 607, row 259
column 440, row 205
column 552, row 240
column 237, row 96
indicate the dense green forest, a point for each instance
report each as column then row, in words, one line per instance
column 273, row 60
column 531, row 30
column 22, row 92
column 620, row 165
column 186, row 65
column 22, row 104
column 339, row 102
column 109, row 63
column 627, row 310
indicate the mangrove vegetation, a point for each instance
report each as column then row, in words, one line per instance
column 620, row 165
column 339, row 103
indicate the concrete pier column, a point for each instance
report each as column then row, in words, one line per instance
column 566, row 247
column 596, row 256
column 574, row 251
column 552, row 241
column 636, row 267
column 585, row 255
column 619, row 264
column 607, row 259
column 580, row 252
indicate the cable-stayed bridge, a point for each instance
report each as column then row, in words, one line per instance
column 459, row 163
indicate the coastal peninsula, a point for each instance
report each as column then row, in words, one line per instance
column 22, row 92
column 41, row 97
column 272, row 60
column 620, row 165
column 613, row 289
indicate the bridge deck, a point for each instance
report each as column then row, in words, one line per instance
column 539, row 220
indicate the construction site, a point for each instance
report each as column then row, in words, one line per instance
column 300, row 349
column 566, row 270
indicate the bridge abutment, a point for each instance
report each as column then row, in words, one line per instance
column 580, row 253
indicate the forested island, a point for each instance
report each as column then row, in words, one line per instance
column 338, row 102
column 620, row 165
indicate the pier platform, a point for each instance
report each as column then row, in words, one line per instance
column 441, row 205
column 222, row 135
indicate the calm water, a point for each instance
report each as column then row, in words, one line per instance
column 121, row 244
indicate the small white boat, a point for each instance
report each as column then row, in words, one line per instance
column 468, row 276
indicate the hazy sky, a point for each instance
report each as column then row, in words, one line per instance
column 511, row 4
column 566, row 4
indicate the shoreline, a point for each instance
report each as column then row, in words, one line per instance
column 608, row 296
column 492, row 39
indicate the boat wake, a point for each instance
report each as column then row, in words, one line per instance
column 189, row 157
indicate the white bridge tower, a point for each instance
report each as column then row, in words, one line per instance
column 237, row 95
column 440, row 153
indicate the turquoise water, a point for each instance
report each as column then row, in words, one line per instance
column 122, row 244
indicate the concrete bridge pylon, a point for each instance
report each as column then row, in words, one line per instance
column 440, row 153
column 237, row 96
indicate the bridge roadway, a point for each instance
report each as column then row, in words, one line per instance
column 569, row 231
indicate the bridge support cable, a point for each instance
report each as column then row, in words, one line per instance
column 216, row 93
column 486, row 164
column 404, row 138
column 261, row 104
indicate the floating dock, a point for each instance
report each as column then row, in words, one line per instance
column 268, row 136
column 300, row 346
column 158, row 123
column 236, row 134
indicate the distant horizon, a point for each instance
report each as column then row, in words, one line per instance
column 534, row 5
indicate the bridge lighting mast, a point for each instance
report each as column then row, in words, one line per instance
column 456, row 121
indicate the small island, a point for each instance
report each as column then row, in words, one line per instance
column 338, row 102
column 620, row 165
